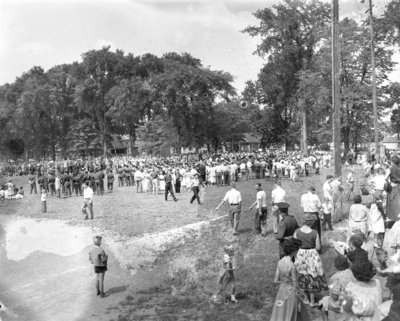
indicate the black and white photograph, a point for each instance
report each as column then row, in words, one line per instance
column 199, row 160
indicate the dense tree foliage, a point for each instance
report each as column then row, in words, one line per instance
column 81, row 105
column 175, row 101
column 294, row 86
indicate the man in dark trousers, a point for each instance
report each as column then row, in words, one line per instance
column 287, row 226
column 168, row 185
column 52, row 180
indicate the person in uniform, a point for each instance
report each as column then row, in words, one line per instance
column 67, row 184
column 41, row 182
column 52, row 179
column 120, row 173
column 260, row 217
column 110, row 181
column 234, row 199
column 287, row 226
column 76, row 181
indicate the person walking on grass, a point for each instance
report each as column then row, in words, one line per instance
column 99, row 258
column 196, row 189
column 260, row 218
column 234, row 199
column 278, row 195
column 226, row 276
column 311, row 205
column 87, row 201
column 287, row 226
column 168, row 186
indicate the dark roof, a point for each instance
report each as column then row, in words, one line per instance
column 250, row 138
column 117, row 145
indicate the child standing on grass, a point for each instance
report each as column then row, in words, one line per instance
column 327, row 214
column 226, row 275
column 98, row 257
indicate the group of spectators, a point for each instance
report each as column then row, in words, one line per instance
column 366, row 286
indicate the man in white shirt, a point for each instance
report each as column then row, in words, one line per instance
column 249, row 166
column 327, row 188
column 278, row 195
column 378, row 183
column 87, row 201
column 243, row 171
column 260, row 218
column 234, row 199
column 311, row 205
column 138, row 176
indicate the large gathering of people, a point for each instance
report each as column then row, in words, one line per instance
column 367, row 282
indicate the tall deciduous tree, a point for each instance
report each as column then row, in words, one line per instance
column 101, row 71
column 289, row 32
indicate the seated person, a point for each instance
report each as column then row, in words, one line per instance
column 20, row 193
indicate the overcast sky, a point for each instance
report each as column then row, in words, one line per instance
column 47, row 33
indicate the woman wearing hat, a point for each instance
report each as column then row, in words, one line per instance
column 308, row 262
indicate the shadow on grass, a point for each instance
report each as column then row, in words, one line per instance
column 117, row 289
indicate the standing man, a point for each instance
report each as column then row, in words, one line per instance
column 154, row 181
column 311, row 205
column 138, row 180
column 110, row 180
column 287, row 226
column 52, row 180
column 87, row 201
column 234, row 199
column 278, row 195
column 196, row 189
column 32, row 183
column 260, row 218
column 168, row 185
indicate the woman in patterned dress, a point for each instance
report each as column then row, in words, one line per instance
column 308, row 263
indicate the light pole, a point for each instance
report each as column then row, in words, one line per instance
column 373, row 78
column 337, row 143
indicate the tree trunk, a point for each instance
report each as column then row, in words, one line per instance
column 104, row 147
column 304, row 144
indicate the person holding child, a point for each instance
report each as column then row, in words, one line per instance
column 99, row 258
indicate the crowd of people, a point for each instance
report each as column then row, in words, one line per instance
column 367, row 282
column 366, row 286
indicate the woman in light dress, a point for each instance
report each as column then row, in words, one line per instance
column 288, row 305
column 364, row 294
column 377, row 223
column 146, row 182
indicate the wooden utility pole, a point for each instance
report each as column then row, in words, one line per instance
column 337, row 142
column 374, row 104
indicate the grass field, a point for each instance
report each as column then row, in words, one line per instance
column 182, row 278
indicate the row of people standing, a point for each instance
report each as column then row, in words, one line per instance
column 67, row 183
